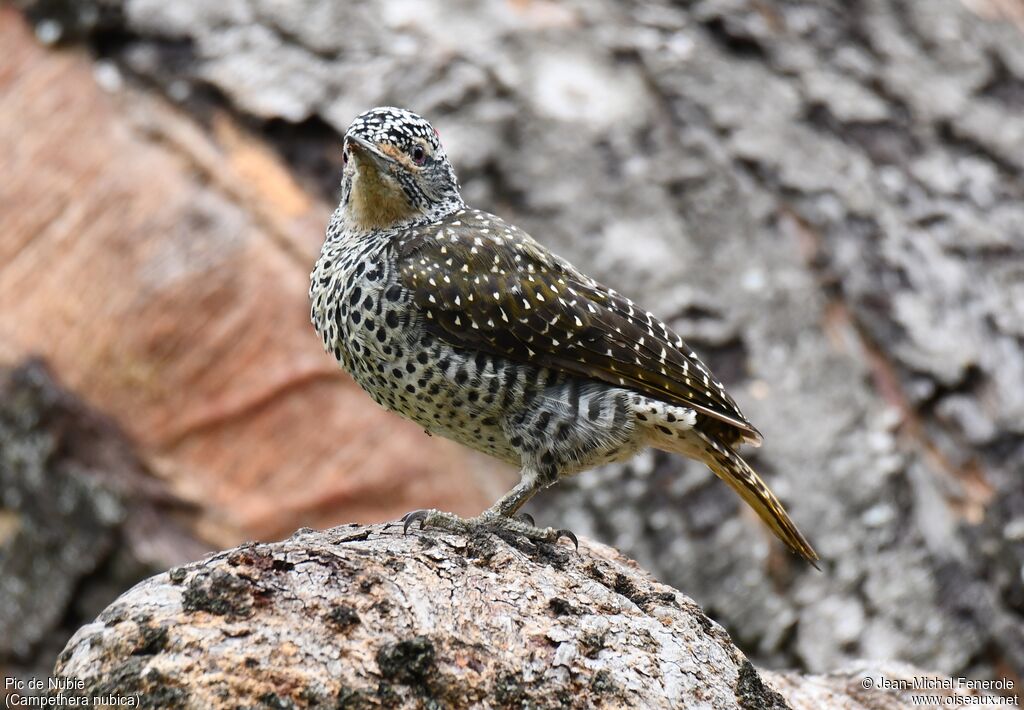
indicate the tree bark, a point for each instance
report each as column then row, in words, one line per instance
column 361, row 617
column 81, row 518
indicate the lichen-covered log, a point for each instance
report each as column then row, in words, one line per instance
column 368, row 617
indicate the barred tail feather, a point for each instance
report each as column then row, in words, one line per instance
column 731, row 468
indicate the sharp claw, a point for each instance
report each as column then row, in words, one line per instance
column 567, row 534
column 528, row 519
column 410, row 518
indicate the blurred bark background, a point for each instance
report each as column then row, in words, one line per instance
column 825, row 198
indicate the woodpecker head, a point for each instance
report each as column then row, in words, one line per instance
column 396, row 172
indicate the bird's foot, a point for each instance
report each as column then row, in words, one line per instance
column 490, row 522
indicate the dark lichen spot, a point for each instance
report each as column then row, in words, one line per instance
column 114, row 614
column 667, row 598
column 553, row 554
column 220, row 593
column 310, row 698
column 706, row 624
column 753, row 694
column 153, row 640
column 595, row 572
column 353, row 699
column 591, row 644
column 561, row 607
column 481, row 547
column 279, row 565
column 411, row 664
column 407, row 662
column 387, row 697
column 624, row 586
column 276, row 702
column 509, row 690
column 177, row 574
column 341, row 617
column 602, row 683
column 151, row 688
column 259, row 557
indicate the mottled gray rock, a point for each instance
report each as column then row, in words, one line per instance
column 824, row 197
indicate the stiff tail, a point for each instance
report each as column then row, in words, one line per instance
column 732, row 469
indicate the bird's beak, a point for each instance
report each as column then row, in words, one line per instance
column 363, row 148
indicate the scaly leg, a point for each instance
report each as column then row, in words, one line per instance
column 510, row 503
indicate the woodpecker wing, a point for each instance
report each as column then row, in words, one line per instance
column 486, row 285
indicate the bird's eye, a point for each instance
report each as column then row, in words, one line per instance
column 419, row 156
column 344, row 155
